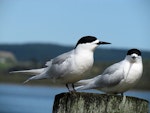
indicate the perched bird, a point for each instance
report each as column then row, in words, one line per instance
column 118, row 77
column 69, row 67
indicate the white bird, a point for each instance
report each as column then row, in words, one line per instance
column 69, row 67
column 118, row 77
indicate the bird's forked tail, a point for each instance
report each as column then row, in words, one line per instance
column 39, row 73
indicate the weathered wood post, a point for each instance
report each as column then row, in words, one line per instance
column 80, row 102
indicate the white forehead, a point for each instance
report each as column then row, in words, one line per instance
column 134, row 54
column 96, row 41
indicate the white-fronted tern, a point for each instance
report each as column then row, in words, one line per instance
column 69, row 67
column 118, row 77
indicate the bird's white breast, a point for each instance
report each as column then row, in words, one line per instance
column 82, row 64
column 133, row 74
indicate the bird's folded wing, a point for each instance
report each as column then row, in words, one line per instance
column 59, row 59
column 111, row 76
column 58, row 66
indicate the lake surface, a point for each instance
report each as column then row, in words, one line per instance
column 39, row 99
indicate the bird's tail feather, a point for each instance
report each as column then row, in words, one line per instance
column 39, row 74
column 83, row 84
column 31, row 72
column 36, row 77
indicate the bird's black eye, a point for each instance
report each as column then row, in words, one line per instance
column 86, row 39
column 132, row 51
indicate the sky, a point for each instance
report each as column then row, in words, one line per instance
column 124, row 23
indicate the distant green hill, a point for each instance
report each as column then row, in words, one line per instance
column 45, row 52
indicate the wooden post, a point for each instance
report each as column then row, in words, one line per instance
column 79, row 102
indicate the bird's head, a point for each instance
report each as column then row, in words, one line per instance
column 89, row 42
column 134, row 55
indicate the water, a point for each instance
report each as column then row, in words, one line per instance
column 38, row 99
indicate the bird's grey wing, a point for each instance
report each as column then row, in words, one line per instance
column 111, row 76
column 58, row 66
column 59, row 59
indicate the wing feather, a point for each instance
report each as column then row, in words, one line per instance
column 110, row 77
column 58, row 66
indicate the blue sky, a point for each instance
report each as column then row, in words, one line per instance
column 124, row 23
